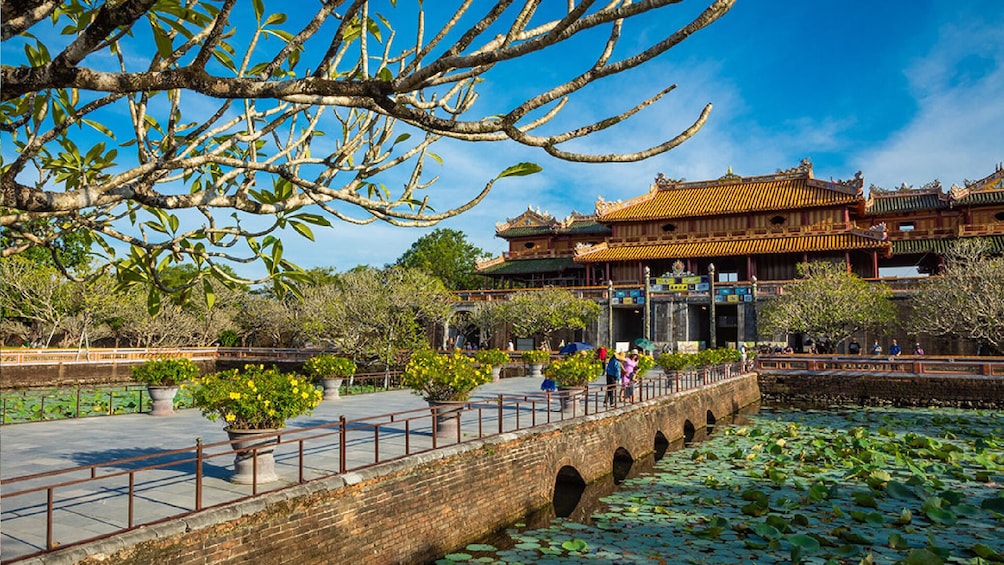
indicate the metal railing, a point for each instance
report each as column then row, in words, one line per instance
column 125, row 494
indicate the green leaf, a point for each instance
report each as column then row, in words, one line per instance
column 259, row 8
column 922, row 557
column 520, row 170
column 207, row 288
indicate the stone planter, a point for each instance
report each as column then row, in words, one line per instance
column 331, row 388
column 569, row 396
column 496, row 373
column 163, row 399
column 250, row 445
column 535, row 370
column 447, row 418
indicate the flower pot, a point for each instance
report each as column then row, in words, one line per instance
column 331, row 386
column 496, row 373
column 569, row 395
column 535, row 370
column 163, row 399
column 447, row 416
column 250, row 445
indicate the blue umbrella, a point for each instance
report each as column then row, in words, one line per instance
column 574, row 347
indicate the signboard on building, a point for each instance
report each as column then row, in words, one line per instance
column 630, row 297
column 733, row 294
column 684, row 283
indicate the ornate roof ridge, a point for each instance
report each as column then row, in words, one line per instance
column 604, row 207
column 933, row 187
column 543, row 219
column 480, row 264
column 984, row 184
column 801, row 171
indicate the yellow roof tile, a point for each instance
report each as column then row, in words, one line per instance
column 752, row 194
column 725, row 248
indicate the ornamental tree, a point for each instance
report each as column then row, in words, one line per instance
column 447, row 255
column 166, row 131
column 967, row 298
column 548, row 310
column 828, row 304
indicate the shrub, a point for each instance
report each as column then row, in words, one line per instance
column 574, row 371
column 325, row 366
column 535, row 356
column 492, row 357
column 254, row 398
column 451, row 376
column 165, row 371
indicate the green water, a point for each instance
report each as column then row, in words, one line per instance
column 846, row 485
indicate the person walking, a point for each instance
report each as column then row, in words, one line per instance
column 613, row 371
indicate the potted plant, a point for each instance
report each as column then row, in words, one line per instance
column 330, row 371
column 162, row 376
column 573, row 374
column 536, row 359
column 254, row 402
column 494, row 358
column 446, row 382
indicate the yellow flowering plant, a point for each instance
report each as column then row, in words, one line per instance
column 254, row 398
column 165, row 371
column 325, row 366
column 442, row 377
column 574, row 371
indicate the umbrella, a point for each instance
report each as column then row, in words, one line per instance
column 574, row 347
column 644, row 344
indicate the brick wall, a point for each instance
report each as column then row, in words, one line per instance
column 960, row 391
column 419, row 508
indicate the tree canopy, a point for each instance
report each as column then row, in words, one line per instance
column 170, row 131
column 447, row 255
column 966, row 299
column 828, row 304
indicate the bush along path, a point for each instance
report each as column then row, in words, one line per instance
column 854, row 486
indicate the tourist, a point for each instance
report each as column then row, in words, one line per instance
column 613, row 371
column 854, row 348
column 627, row 378
column 601, row 354
column 895, row 349
column 876, row 349
column 917, row 349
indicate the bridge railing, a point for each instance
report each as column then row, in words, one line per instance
column 912, row 365
column 132, row 492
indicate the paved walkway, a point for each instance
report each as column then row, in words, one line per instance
column 95, row 508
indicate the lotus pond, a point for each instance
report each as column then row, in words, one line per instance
column 843, row 486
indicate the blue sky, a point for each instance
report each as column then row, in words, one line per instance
column 906, row 92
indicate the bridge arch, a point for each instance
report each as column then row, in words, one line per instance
column 689, row 431
column 568, row 488
column 660, row 445
column 622, row 463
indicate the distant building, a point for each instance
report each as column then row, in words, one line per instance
column 750, row 229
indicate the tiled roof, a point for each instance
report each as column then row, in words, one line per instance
column 993, row 196
column 533, row 224
column 905, row 201
column 754, row 194
column 725, row 248
column 528, row 266
column 940, row 245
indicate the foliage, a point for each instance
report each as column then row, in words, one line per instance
column 535, row 356
column 828, row 304
column 447, row 255
column 373, row 314
column 203, row 143
column 967, row 299
column 165, row 371
column 486, row 318
column 254, row 398
column 492, row 357
column 548, row 310
column 326, row 366
column 645, row 363
column 676, row 361
column 574, row 370
column 444, row 377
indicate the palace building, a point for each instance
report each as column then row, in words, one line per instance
column 737, row 233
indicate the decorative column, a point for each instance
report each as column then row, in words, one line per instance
column 756, row 330
column 647, row 325
column 711, row 294
column 610, row 315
